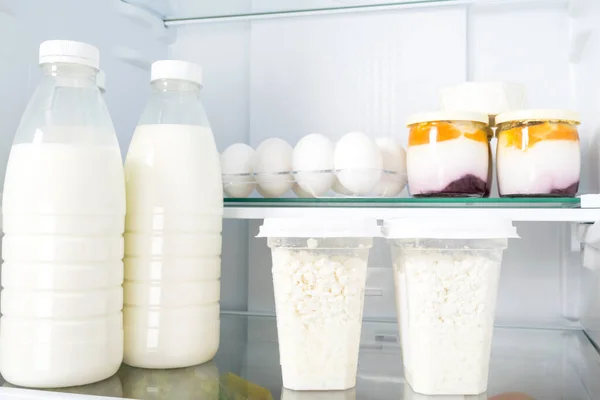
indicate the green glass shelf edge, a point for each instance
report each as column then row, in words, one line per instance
column 524, row 202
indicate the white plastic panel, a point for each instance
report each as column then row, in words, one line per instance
column 527, row 43
column 368, row 72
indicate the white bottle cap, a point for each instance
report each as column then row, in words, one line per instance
column 69, row 51
column 101, row 81
column 176, row 69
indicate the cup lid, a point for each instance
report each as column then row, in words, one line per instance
column 448, row 228
column 491, row 98
column 310, row 228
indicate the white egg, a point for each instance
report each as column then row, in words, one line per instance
column 393, row 180
column 358, row 163
column 236, row 169
column 272, row 167
column 312, row 162
column 301, row 193
column 340, row 189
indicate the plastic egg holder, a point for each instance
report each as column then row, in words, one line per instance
column 390, row 183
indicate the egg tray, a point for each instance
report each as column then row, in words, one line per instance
column 357, row 183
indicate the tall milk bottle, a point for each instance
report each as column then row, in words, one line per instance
column 173, row 226
column 63, row 222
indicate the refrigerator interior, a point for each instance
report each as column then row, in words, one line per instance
column 286, row 70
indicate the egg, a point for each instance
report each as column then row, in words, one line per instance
column 393, row 180
column 301, row 193
column 340, row 189
column 312, row 162
column 236, row 168
column 358, row 162
column 272, row 167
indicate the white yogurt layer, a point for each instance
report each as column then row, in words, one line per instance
column 319, row 302
column 548, row 165
column 446, row 313
column 432, row 167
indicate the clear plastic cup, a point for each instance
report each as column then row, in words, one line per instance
column 287, row 394
column 446, row 278
column 410, row 394
column 319, row 273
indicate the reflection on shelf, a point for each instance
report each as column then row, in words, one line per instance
column 544, row 364
column 197, row 382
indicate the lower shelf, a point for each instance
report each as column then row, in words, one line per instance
column 544, row 364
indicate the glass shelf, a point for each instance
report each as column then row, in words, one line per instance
column 544, row 364
column 176, row 12
column 551, row 209
column 525, row 202
column 188, row 10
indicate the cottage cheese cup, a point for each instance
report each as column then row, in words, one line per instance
column 538, row 153
column 448, row 154
column 491, row 98
column 446, row 275
column 319, row 274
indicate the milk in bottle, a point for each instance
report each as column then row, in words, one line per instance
column 63, row 221
column 173, row 226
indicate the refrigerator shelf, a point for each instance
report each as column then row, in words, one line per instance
column 182, row 12
column 544, row 364
column 516, row 209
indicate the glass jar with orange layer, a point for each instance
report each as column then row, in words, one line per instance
column 538, row 153
column 448, row 154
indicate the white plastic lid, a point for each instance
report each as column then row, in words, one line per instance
column 176, row 69
column 448, row 228
column 448, row 115
column 101, row 81
column 539, row 115
column 491, row 98
column 69, row 51
column 319, row 228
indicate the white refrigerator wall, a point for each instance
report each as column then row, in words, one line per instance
column 332, row 74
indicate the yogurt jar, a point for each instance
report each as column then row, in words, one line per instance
column 446, row 275
column 448, row 154
column 319, row 274
column 538, row 153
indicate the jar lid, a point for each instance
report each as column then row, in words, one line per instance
column 448, row 115
column 319, row 228
column 69, row 51
column 176, row 69
column 448, row 228
column 539, row 115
